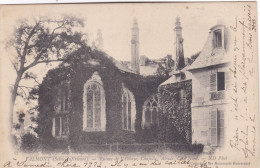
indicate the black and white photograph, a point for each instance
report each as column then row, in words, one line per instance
column 158, row 84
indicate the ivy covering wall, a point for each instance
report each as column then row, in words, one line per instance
column 175, row 113
column 75, row 71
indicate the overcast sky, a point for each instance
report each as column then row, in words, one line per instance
column 156, row 23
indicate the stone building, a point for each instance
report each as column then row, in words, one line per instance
column 88, row 99
column 211, row 83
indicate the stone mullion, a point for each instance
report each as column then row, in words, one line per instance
column 94, row 110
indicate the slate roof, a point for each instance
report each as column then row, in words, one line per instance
column 209, row 55
column 176, row 77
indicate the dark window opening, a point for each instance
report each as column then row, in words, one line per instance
column 150, row 113
column 221, row 81
column 217, row 38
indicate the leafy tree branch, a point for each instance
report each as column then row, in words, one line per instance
column 41, row 40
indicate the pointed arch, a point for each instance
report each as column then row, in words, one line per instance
column 94, row 105
column 150, row 114
column 128, row 109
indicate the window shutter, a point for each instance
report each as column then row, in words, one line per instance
column 213, row 129
column 213, row 81
column 221, row 127
column 228, row 80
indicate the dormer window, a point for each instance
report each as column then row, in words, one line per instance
column 217, row 38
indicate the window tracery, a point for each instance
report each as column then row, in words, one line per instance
column 150, row 112
column 94, row 116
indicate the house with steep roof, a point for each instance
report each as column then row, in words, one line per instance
column 211, row 83
column 193, row 100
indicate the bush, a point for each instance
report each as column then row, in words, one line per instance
column 197, row 148
column 29, row 143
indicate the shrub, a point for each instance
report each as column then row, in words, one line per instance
column 29, row 143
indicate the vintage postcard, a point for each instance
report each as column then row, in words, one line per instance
column 129, row 85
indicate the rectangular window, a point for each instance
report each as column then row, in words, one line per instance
column 217, row 81
column 217, row 130
column 217, row 39
column 221, row 80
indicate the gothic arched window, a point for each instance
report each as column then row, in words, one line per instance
column 94, row 116
column 150, row 112
column 128, row 110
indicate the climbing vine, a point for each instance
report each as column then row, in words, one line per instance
column 76, row 70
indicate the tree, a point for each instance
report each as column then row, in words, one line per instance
column 165, row 66
column 41, row 40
